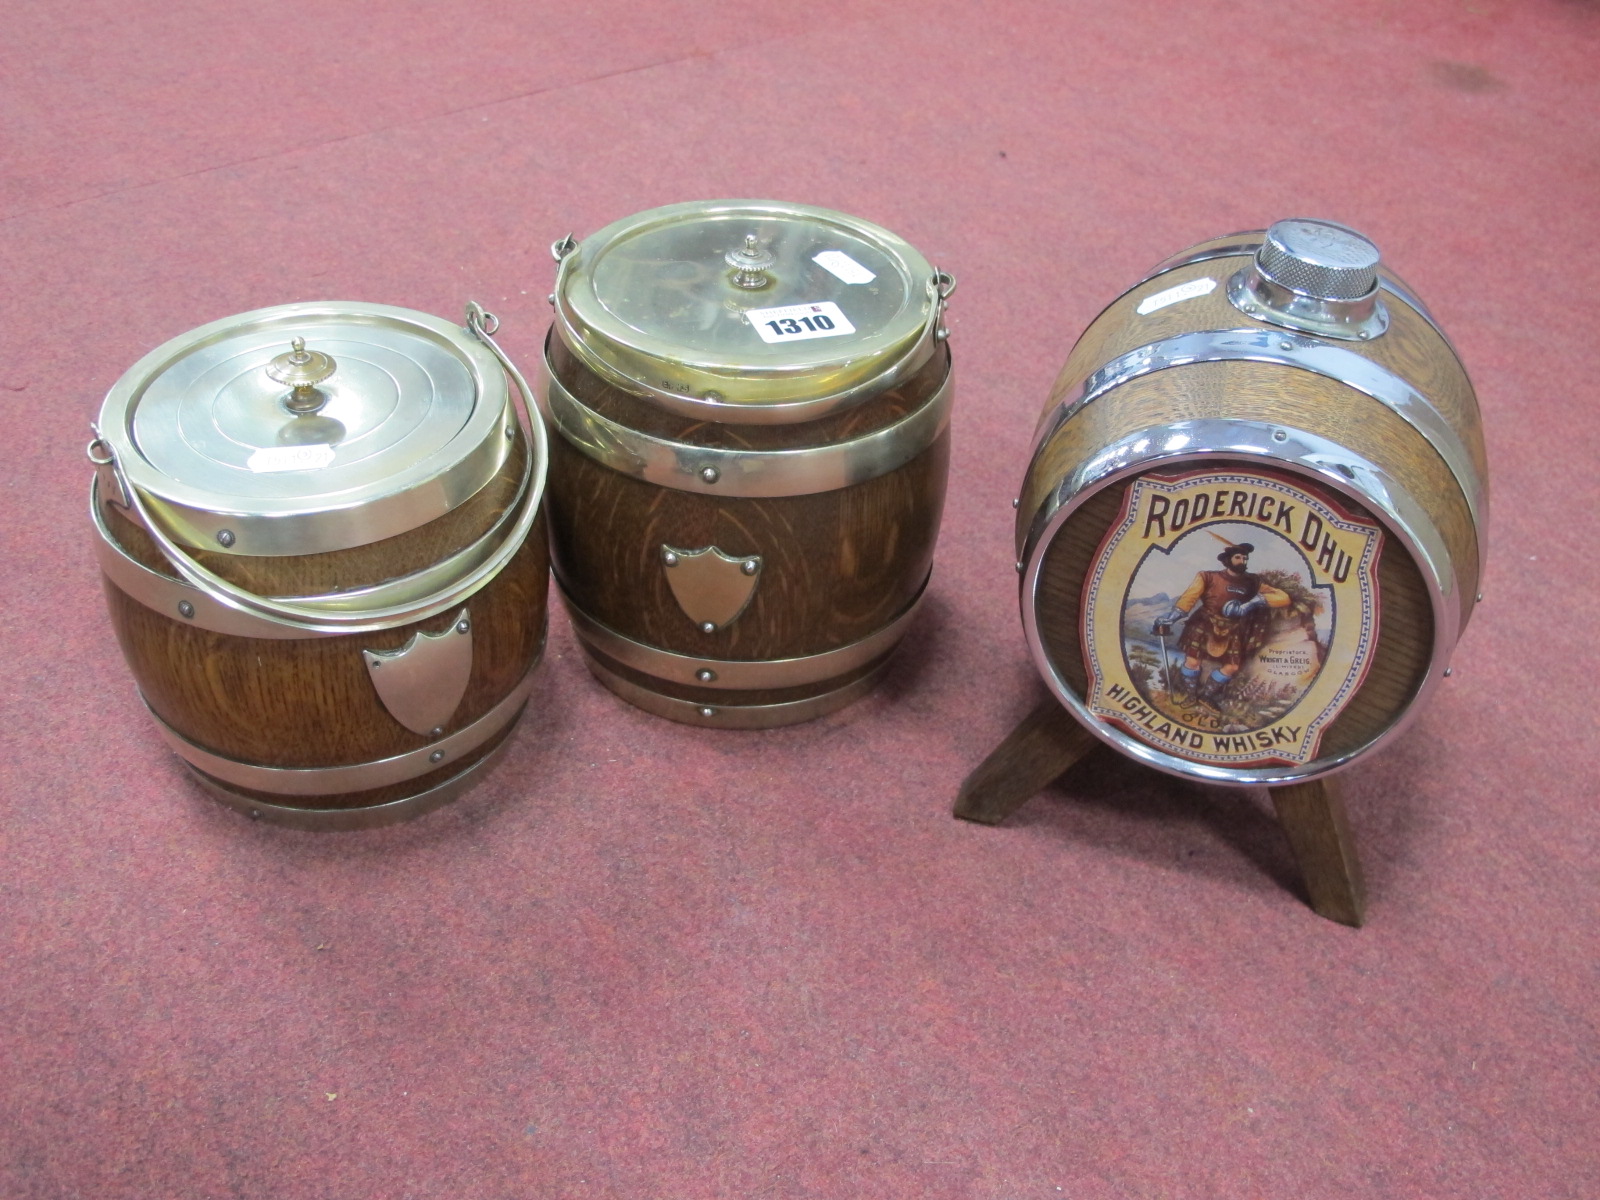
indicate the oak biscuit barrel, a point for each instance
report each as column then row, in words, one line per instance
column 1252, row 529
column 322, row 544
column 750, row 403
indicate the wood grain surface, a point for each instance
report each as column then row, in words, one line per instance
column 836, row 566
column 1313, row 817
column 310, row 702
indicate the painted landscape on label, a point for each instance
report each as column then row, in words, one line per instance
column 1270, row 656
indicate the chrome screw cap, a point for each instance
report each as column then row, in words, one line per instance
column 1319, row 258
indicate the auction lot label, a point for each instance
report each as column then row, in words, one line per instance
column 1230, row 615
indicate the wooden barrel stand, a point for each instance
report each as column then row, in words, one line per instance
column 1049, row 742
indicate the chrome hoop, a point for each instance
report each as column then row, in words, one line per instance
column 712, row 471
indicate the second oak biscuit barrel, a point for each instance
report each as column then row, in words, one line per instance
column 751, row 402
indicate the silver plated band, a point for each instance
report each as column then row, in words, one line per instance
column 183, row 601
column 1216, row 441
column 750, row 473
column 173, row 597
column 342, row 820
column 386, row 606
column 1288, row 349
column 1249, row 242
column 733, row 673
column 355, row 777
column 734, row 716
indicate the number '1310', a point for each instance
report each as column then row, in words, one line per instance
column 789, row 325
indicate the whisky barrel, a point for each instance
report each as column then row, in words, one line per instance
column 320, row 532
column 750, row 409
column 1252, row 528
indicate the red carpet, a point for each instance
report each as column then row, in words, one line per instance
column 643, row 960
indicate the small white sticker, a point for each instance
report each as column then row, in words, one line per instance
column 799, row 322
column 290, row 458
column 837, row 262
column 1184, row 291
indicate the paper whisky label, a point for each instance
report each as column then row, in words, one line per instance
column 1230, row 614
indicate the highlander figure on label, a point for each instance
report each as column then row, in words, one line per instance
column 1220, row 606
column 1246, row 662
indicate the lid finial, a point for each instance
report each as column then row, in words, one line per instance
column 302, row 370
column 750, row 264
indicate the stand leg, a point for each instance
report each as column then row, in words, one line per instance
column 1313, row 817
column 1033, row 755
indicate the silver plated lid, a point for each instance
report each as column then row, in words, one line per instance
column 748, row 310
column 311, row 427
